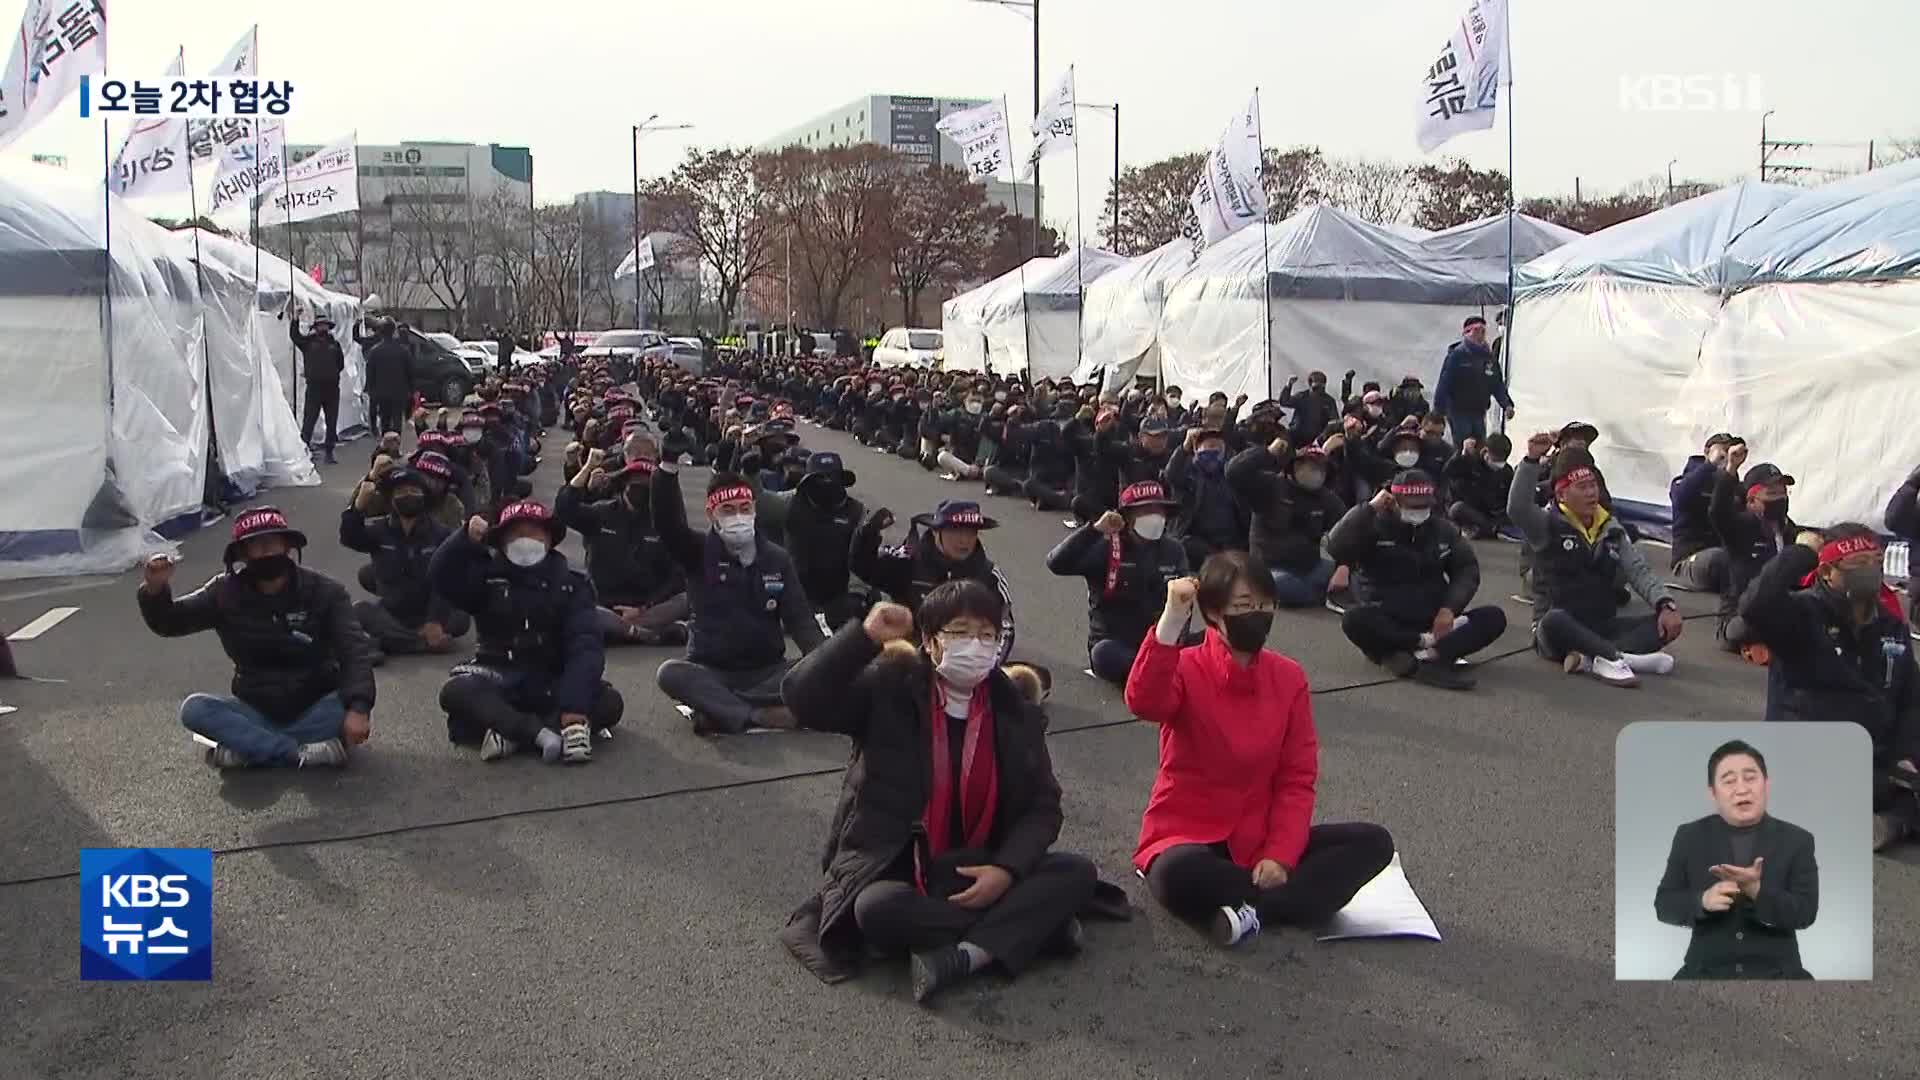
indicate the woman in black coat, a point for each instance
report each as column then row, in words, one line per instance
column 939, row 847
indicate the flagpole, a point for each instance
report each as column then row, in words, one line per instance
column 1079, row 232
column 286, row 192
column 1266, row 255
column 200, row 289
column 106, row 289
column 1507, row 334
column 1026, row 321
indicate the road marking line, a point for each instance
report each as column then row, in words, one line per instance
column 42, row 624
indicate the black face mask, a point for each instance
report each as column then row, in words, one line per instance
column 826, row 493
column 1247, row 632
column 257, row 572
column 1775, row 511
column 636, row 495
column 409, row 505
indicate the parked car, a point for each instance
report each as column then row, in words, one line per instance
column 650, row 344
column 444, row 371
column 690, row 354
column 905, row 347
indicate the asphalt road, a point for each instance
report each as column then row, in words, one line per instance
column 422, row 915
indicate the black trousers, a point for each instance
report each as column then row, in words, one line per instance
column 1379, row 632
column 1473, row 521
column 845, row 608
column 399, row 637
column 389, row 413
column 1559, row 633
column 895, row 918
column 1051, row 498
column 476, row 703
column 1195, row 880
column 1004, row 481
column 321, row 398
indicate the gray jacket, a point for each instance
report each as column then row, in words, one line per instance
column 1541, row 524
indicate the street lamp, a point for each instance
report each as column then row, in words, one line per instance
column 1032, row 6
column 1115, row 109
column 640, row 129
column 1670, row 166
column 1763, row 144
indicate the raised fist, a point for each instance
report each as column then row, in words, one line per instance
column 157, row 572
column 882, row 519
column 1538, row 445
column 1181, row 593
column 1110, row 524
column 888, row 622
column 1279, row 447
column 477, row 529
column 595, row 458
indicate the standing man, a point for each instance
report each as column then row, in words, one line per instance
column 389, row 375
column 1742, row 881
column 503, row 353
column 323, row 359
column 1470, row 381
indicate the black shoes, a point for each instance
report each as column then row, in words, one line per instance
column 937, row 969
column 1442, row 674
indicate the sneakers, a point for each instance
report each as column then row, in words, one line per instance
column 494, row 746
column 1069, row 940
column 1442, row 674
column 1233, row 925
column 1657, row 663
column 1611, row 672
column 222, row 758
column 937, row 969
column 577, row 744
column 332, row 753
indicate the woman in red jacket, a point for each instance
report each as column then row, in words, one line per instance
column 1228, row 835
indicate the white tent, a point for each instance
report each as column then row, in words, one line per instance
column 120, row 362
column 1027, row 319
column 1789, row 317
column 311, row 300
column 1343, row 294
column 1122, row 324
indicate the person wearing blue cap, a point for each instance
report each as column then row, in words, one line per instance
column 949, row 549
column 819, row 517
column 410, row 616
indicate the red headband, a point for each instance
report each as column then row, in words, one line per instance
column 727, row 495
column 1835, row 550
column 1574, row 476
column 1411, row 489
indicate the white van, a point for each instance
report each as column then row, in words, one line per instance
column 906, row 347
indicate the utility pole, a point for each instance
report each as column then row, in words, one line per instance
column 1763, row 144
column 640, row 129
column 1112, row 237
column 1032, row 7
column 1670, row 165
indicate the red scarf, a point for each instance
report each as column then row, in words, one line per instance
column 979, row 776
column 1113, row 566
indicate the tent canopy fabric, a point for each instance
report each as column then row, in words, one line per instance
column 125, row 364
column 1787, row 316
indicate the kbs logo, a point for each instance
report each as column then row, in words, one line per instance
column 1674, row 92
column 146, row 914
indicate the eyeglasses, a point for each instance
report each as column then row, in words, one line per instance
column 955, row 637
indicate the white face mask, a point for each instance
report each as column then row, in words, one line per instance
column 964, row 664
column 1416, row 517
column 974, row 407
column 736, row 529
column 1150, row 526
column 526, row 551
column 470, row 435
column 1407, row 459
column 1310, row 479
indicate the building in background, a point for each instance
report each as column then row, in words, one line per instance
column 430, row 214
column 670, row 294
column 905, row 125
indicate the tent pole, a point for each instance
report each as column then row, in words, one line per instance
column 1266, row 251
column 1506, row 360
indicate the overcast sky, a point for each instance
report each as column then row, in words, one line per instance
column 567, row 77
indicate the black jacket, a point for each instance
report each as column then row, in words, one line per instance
column 1208, row 509
column 1099, row 460
column 742, row 614
column 909, row 572
column 821, row 544
column 1691, row 497
column 1140, row 575
column 1826, row 667
column 1751, row 542
column 1312, row 412
column 389, row 366
column 1288, row 520
column 537, row 624
column 1472, row 481
column 1754, row 938
column 321, row 355
column 401, row 562
column 1411, row 571
column 628, row 562
column 884, row 704
column 289, row 649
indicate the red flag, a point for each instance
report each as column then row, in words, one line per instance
column 319, row 275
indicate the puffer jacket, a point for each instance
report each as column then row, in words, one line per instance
column 909, row 572
column 1288, row 521
column 289, row 649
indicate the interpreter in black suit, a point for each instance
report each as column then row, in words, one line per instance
column 1743, row 881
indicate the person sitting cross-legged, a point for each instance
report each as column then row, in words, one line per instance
column 1415, row 575
column 941, row 846
column 747, row 599
column 1127, row 560
column 1580, row 554
column 1228, row 837
column 409, row 616
column 302, row 667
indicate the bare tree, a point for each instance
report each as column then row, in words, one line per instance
column 434, row 226
column 1374, row 190
column 1899, row 150
column 938, row 227
column 604, row 244
column 503, row 255
column 557, row 268
column 716, row 200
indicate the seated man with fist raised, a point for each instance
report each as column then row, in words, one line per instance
column 940, row 846
column 302, row 667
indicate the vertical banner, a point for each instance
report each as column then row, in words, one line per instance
column 322, row 184
column 207, row 140
column 56, row 46
column 1461, row 89
column 985, row 143
column 1230, row 195
column 152, row 159
column 1053, row 125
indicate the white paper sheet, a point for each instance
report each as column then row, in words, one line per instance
column 1384, row 907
